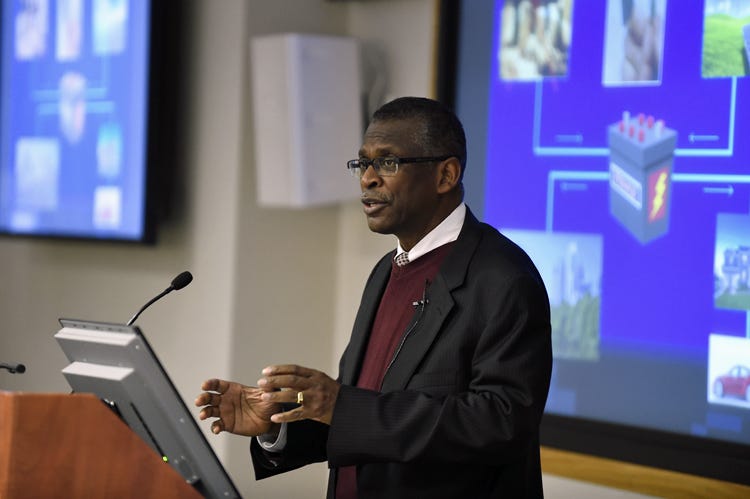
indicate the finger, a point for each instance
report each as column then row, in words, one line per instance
column 210, row 384
column 202, row 399
column 215, row 385
column 288, row 369
column 289, row 416
column 208, row 399
column 280, row 396
column 217, row 426
column 291, row 381
column 209, row 412
column 266, row 388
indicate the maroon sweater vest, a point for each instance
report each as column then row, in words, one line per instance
column 406, row 287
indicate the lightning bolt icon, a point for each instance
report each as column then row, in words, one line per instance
column 659, row 189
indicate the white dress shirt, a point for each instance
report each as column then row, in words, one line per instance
column 446, row 232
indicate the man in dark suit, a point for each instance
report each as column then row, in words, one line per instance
column 442, row 386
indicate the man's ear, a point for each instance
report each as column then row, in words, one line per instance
column 449, row 175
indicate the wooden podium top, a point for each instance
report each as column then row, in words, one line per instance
column 59, row 445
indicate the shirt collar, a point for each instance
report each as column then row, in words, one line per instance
column 446, row 232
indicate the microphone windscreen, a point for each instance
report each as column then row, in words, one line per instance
column 182, row 280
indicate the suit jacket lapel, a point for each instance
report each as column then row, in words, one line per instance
column 421, row 337
column 451, row 275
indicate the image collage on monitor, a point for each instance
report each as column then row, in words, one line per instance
column 73, row 116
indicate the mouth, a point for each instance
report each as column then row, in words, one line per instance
column 373, row 204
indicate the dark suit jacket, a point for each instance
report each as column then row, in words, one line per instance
column 459, row 410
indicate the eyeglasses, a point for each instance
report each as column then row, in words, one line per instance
column 388, row 165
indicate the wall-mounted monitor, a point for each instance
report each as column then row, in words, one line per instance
column 609, row 140
column 82, row 85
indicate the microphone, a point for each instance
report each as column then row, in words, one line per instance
column 424, row 301
column 178, row 282
column 13, row 368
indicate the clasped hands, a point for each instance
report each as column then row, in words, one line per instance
column 252, row 411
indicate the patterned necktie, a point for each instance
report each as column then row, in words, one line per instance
column 402, row 259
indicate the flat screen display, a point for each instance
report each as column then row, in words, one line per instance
column 611, row 143
column 74, row 108
column 116, row 363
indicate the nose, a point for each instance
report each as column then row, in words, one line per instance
column 370, row 178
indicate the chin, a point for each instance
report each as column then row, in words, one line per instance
column 378, row 226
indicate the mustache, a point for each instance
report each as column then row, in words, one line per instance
column 375, row 197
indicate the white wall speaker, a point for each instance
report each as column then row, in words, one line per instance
column 307, row 118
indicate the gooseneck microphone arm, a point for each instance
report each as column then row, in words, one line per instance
column 152, row 300
column 178, row 282
column 13, row 368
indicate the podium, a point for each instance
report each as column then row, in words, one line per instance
column 59, row 445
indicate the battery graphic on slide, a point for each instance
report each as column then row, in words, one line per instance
column 640, row 174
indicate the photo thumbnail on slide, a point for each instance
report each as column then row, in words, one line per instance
column 726, row 38
column 535, row 39
column 31, row 30
column 69, row 29
column 729, row 370
column 110, row 26
column 571, row 268
column 37, row 172
column 634, row 42
column 732, row 262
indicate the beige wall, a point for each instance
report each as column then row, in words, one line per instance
column 266, row 286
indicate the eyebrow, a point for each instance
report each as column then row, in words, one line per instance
column 379, row 152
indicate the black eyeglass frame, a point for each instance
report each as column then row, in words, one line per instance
column 362, row 164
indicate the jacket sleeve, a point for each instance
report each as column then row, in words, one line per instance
column 306, row 444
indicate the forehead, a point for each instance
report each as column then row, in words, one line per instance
column 391, row 136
